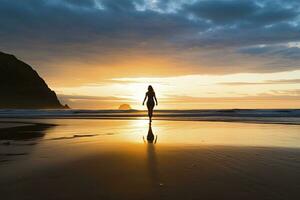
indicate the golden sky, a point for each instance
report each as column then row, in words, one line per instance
column 247, row 90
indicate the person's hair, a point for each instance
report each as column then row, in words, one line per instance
column 150, row 88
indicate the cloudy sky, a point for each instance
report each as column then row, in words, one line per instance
column 196, row 53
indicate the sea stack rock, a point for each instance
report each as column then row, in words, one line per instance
column 22, row 88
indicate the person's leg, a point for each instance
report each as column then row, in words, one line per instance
column 149, row 112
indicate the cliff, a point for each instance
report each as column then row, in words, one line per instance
column 21, row 87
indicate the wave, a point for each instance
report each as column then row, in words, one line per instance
column 291, row 116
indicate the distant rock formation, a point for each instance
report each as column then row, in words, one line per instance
column 66, row 106
column 124, row 107
column 21, row 87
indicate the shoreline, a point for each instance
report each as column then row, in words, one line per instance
column 247, row 121
column 262, row 116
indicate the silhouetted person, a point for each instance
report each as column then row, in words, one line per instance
column 150, row 95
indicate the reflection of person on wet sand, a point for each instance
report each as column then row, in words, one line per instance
column 151, row 158
column 150, row 136
column 150, row 95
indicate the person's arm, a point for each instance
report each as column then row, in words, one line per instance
column 145, row 99
column 155, row 99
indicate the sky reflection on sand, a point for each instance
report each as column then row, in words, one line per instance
column 78, row 131
column 74, row 139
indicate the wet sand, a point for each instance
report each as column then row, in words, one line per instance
column 10, row 124
column 113, row 160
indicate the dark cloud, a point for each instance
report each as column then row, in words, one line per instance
column 242, row 37
column 220, row 11
column 193, row 32
column 274, row 14
column 273, row 51
column 118, row 20
column 243, row 13
column 84, row 3
column 118, row 6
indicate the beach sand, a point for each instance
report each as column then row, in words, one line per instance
column 11, row 124
column 98, row 159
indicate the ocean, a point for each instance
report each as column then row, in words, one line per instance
column 282, row 116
